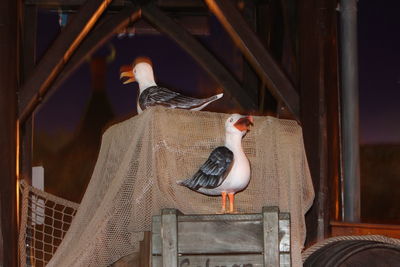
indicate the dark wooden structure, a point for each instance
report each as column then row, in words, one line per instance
column 303, row 81
column 241, row 240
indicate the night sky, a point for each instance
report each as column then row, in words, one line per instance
column 379, row 72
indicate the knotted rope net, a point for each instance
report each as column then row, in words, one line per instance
column 45, row 219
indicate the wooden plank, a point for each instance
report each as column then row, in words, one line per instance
column 284, row 240
column 343, row 228
column 95, row 39
column 205, row 230
column 266, row 67
column 194, row 48
column 58, row 54
column 271, row 236
column 215, row 260
column 9, row 48
column 169, row 233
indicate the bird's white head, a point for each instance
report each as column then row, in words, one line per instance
column 238, row 124
column 140, row 71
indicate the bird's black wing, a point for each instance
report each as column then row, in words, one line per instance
column 213, row 172
column 157, row 95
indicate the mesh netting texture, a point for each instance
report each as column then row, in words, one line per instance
column 45, row 219
column 140, row 161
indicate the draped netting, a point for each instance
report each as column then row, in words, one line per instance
column 140, row 161
column 45, row 218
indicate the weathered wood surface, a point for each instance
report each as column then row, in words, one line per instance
column 215, row 260
column 285, row 259
column 169, row 235
column 58, row 54
column 271, row 236
column 9, row 58
column 261, row 60
column 226, row 239
column 209, row 235
column 231, row 87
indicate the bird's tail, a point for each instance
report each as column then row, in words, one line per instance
column 207, row 101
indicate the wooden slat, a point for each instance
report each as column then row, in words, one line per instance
column 206, row 230
column 95, row 39
column 271, row 236
column 258, row 56
column 284, row 240
column 169, row 233
column 58, row 54
column 194, row 48
column 215, row 260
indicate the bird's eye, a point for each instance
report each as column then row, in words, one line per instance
column 231, row 120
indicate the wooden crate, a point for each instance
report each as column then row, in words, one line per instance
column 240, row 240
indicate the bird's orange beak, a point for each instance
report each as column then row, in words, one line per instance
column 127, row 74
column 243, row 124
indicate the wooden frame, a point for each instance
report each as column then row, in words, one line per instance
column 229, row 239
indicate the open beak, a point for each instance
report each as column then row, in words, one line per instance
column 244, row 123
column 127, row 74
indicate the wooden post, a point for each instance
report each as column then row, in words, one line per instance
column 319, row 107
column 169, row 233
column 8, row 130
column 271, row 237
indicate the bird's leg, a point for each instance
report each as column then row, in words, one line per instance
column 231, row 200
column 223, row 210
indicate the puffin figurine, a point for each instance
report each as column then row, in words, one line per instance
column 227, row 169
column 151, row 94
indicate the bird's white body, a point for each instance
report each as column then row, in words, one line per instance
column 227, row 169
column 239, row 175
column 143, row 73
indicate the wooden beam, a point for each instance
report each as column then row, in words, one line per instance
column 261, row 60
column 28, row 65
column 170, row 4
column 193, row 47
column 58, row 54
column 319, row 109
column 99, row 36
column 9, row 48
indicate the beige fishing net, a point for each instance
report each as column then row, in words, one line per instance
column 140, row 161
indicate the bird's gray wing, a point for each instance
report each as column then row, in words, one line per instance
column 213, row 172
column 157, row 95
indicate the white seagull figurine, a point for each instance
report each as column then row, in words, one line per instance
column 151, row 94
column 227, row 169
